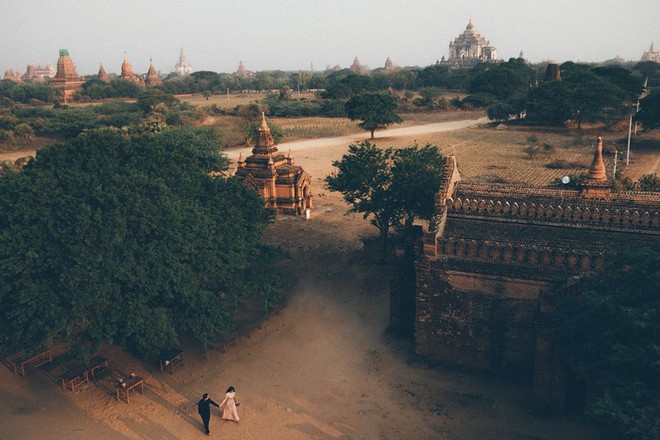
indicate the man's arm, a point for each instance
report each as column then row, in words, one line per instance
column 213, row 403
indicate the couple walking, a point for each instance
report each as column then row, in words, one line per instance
column 228, row 412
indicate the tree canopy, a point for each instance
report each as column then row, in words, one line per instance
column 127, row 240
column 374, row 110
column 392, row 186
column 609, row 336
column 649, row 111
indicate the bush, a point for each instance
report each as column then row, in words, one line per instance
column 6, row 135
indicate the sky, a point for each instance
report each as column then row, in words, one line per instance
column 304, row 34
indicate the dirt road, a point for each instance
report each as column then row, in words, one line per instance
column 381, row 135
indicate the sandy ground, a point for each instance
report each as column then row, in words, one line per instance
column 322, row 368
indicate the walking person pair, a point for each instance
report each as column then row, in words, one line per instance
column 229, row 411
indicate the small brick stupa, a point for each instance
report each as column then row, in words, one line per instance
column 152, row 76
column 128, row 74
column 66, row 79
column 103, row 75
column 283, row 185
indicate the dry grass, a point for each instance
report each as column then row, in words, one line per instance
column 234, row 99
column 488, row 155
column 313, row 128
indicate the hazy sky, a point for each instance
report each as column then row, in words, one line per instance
column 293, row 34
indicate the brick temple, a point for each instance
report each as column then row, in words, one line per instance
column 283, row 185
column 493, row 260
column 66, row 79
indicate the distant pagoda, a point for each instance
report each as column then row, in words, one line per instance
column 102, row 75
column 152, row 76
column 182, row 68
column 66, row 79
column 651, row 55
column 389, row 65
column 242, row 72
column 470, row 48
column 128, row 74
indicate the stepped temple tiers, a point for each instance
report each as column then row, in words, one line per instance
column 470, row 48
column 495, row 258
column 283, row 185
column 66, row 79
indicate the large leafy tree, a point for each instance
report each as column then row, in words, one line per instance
column 649, row 111
column 392, row 186
column 125, row 240
column 609, row 337
column 374, row 110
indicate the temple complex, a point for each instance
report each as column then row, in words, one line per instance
column 183, row 68
column 470, row 48
column 494, row 260
column 66, row 79
column 651, row 55
column 283, row 185
column 102, row 75
column 152, row 78
column 38, row 72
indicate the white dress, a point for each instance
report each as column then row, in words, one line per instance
column 229, row 411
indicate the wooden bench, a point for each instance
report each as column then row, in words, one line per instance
column 98, row 365
column 24, row 363
column 74, row 377
column 172, row 357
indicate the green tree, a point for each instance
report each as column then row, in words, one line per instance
column 391, row 186
column 374, row 110
column 609, row 337
column 649, row 111
column 126, row 240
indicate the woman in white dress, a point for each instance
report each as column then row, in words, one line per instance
column 229, row 410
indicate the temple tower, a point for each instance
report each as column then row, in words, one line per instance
column 66, row 79
column 182, row 68
column 283, row 185
column 651, row 55
column 102, row 75
column 470, row 48
column 127, row 72
column 152, row 76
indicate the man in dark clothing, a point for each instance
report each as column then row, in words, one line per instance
column 204, row 410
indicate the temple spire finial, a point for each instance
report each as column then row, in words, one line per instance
column 264, row 125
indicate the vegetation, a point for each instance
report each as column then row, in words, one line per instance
column 374, row 110
column 392, row 186
column 609, row 338
column 649, row 111
column 127, row 239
